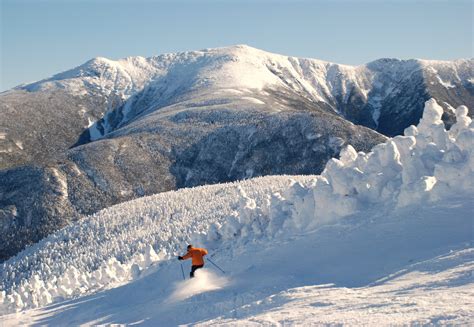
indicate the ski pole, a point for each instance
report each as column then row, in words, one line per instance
column 182, row 271
column 216, row 265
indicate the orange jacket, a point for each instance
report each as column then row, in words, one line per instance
column 197, row 254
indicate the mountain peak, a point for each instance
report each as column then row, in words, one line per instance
column 242, row 46
column 100, row 60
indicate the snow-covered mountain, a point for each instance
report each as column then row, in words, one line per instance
column 387, row 94
column 378, row 237
column 372, row 95
column 110, row 131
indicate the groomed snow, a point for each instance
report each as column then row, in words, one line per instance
column 378, row 238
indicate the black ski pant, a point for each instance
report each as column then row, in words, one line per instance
column 193, row 269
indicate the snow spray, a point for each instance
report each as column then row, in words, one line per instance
column 204, row 281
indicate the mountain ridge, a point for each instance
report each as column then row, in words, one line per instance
column 231, row 49
column 242, row 66
column 364, row 94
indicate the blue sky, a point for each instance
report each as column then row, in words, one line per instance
column 42, row 37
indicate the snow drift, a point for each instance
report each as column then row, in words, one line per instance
column 130, row 240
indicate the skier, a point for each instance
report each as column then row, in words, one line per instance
column 197, row 255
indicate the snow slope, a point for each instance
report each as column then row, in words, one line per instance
column 413, row 267
column 387, row 234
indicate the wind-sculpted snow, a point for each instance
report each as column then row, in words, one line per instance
column 123, row 242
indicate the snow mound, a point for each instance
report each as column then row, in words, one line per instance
column 127, row 241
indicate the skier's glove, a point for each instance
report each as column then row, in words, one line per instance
column 180, row 258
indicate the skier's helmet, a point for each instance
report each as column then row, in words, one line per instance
column 189, row 246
